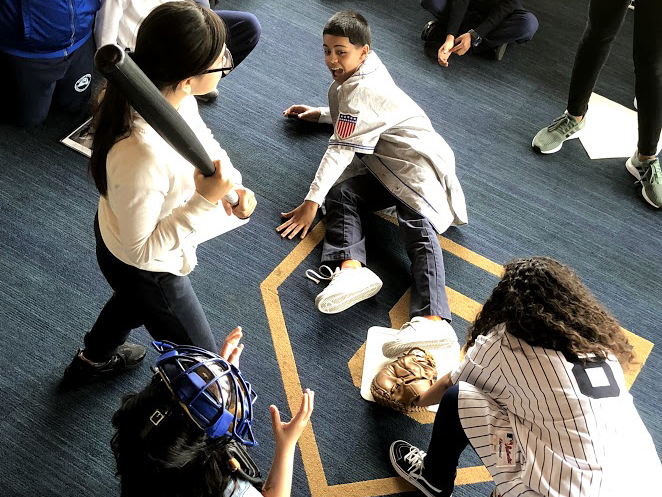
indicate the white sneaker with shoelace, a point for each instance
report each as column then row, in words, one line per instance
column 421, row 332
column 346, row 287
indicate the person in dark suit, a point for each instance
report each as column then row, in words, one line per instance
column 482, row 26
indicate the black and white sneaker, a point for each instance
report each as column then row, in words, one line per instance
column 80, row 371
column 408, row 462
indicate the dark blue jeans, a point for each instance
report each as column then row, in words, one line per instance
column 348, row 201
column 164, row 303
column 446, row 445
column 605, row 18
column 519, row 27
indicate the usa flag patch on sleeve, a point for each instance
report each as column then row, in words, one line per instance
column 346, row 125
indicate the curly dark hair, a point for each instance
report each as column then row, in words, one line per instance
column 545, row 304
column 176, row 460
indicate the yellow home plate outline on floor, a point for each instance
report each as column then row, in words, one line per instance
column 461, row 306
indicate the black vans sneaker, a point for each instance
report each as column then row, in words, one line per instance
column 127, row 357
column 408, row 461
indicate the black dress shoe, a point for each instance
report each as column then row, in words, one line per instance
column 428, row 30
column 127, row 357
column 499, row 51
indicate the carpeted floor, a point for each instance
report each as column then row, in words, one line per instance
column 586, row 213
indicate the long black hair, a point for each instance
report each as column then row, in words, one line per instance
column 174, row 459
column 545, row 303
column 176, row 41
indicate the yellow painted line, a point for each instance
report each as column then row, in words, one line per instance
column 461, row 306
column 471, row 257
column 463, row 253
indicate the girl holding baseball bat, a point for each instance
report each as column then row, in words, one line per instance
column 154, row 204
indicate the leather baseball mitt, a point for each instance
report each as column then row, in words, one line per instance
column 402, row 381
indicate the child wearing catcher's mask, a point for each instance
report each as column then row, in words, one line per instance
column 186, row 432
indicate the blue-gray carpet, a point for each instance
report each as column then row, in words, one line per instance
column 586, row 213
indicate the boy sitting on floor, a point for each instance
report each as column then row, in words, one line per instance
column 389, row 155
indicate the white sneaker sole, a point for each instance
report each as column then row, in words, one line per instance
column 554, row 150
column 406, row 476
column 635, row 172
column 632, row 169
column 396, row 347
column 338, row 302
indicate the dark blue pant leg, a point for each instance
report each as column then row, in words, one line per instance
column 519, row 27
column 244, row 30
column 166, row 304
column 73, row 91
column 438, row 8
column 345, row 203
column 428, row 291
column 446, row 445
column 32, row 84
column 36, row 83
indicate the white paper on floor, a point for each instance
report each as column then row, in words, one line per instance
column 446, row 359
column 611, row 129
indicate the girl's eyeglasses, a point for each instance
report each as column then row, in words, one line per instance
column 227, row 65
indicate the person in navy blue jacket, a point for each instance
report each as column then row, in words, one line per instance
column 46, row 56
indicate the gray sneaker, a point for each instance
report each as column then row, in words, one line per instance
column 550, row 139
column 649, row 175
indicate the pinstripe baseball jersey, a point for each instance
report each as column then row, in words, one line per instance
column 544, row 425
column 378, row 128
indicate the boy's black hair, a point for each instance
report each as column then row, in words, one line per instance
column 350, row 24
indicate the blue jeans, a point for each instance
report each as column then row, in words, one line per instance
column 164, row 303
column 348, row 201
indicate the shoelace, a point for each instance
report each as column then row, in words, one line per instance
column 655, row 173
column 414, row 458
column 562, row 122
column 317, row 277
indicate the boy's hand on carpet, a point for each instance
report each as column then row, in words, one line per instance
column 231, row 350
column 304, row 112
column 287, row 434
column 298, row 220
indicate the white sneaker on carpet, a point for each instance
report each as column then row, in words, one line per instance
column 346, row 288
column 421, row 332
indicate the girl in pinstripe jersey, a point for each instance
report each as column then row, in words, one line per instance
column 540, row 396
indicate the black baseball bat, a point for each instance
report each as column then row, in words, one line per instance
column 118, row 68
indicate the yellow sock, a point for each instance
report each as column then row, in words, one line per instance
column 434, row 318
column 350, row 264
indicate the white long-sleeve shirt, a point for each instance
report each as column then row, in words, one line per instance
column 379, row 128
column 118, row 21
column 152, row 217
column 573, row 427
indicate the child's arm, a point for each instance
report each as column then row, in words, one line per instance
column 334, row 162
column 286, row 435
column 433, row 395
column 107, row 23
column 304, row 112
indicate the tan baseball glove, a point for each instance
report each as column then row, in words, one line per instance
column 402, row 381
